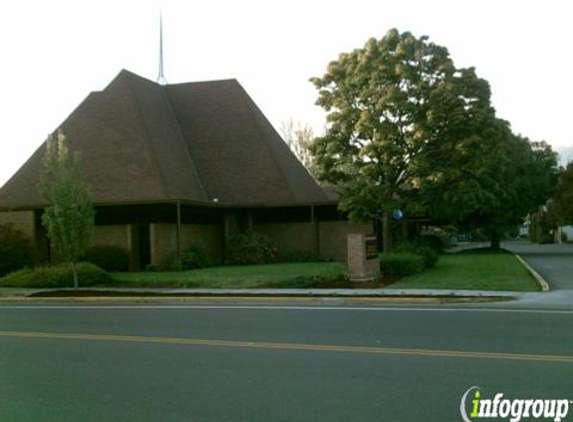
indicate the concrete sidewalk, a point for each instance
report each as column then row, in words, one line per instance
column 546, row 301
column 13, row 293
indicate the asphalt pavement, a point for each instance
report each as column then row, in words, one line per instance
column 269, row 363
column 554, row 262
column 329, row 360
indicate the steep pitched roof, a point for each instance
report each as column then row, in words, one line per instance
column 204, row 142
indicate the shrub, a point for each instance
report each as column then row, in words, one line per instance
column 399, row 264
column 56, row 276
column 434, row 242
column 194, row 257
column 251, row 248
column 15, row 250
column 153, row 268
column 110, row 258
column 428, row 255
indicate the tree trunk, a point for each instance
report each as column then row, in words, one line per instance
column 495, row 240
column 75, row 274
column 386, row 233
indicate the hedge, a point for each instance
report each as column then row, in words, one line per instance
column 399, row 264
column 56, row 276
column 428, row 255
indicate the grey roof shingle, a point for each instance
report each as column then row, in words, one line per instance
column 196, row 142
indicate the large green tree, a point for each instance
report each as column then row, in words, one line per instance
column 530, row 178
column 527, row 181
column 563, row 198
column 69, row 219
column 494, row 184
column 395, row 108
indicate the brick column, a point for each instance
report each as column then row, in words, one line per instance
column 359, row 266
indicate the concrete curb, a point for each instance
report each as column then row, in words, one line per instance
column 142, row 295
column 538, row 277
column 325, row 300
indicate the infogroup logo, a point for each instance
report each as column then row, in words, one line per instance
column 514, row 409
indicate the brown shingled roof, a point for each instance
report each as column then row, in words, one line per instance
column 196, row 142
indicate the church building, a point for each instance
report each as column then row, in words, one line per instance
column 181, row 164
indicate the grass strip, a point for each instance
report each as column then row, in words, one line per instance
column 292, row 275
column 473, row 271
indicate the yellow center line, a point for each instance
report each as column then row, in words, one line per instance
column 293, row 346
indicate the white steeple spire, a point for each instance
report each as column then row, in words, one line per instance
column 161, row 77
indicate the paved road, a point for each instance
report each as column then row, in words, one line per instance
column 553, row 262
column 218, row 363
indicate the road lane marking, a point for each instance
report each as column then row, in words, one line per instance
column 296, row 308
column 293, row 346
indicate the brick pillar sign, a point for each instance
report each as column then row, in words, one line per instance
column 363, row 263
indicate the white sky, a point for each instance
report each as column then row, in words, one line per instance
column 55, row 52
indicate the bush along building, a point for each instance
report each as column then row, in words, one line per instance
column 171, row 166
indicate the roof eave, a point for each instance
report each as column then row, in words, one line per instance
column 144, row 201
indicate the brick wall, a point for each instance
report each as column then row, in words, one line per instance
column 164, row 241
column 116, row 235
column 333, row 236
column 290, row 236
column 209, row 237
column 22, row 220
column 301, row 236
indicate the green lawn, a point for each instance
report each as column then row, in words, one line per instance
column 475, row 271
column 297, row 275
column 479, row 271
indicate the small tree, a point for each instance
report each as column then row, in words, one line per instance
column 69, row 220
column 299, row 138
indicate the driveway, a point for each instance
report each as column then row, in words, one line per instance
column 553, row 262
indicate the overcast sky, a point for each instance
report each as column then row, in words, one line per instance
column 55, row 52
